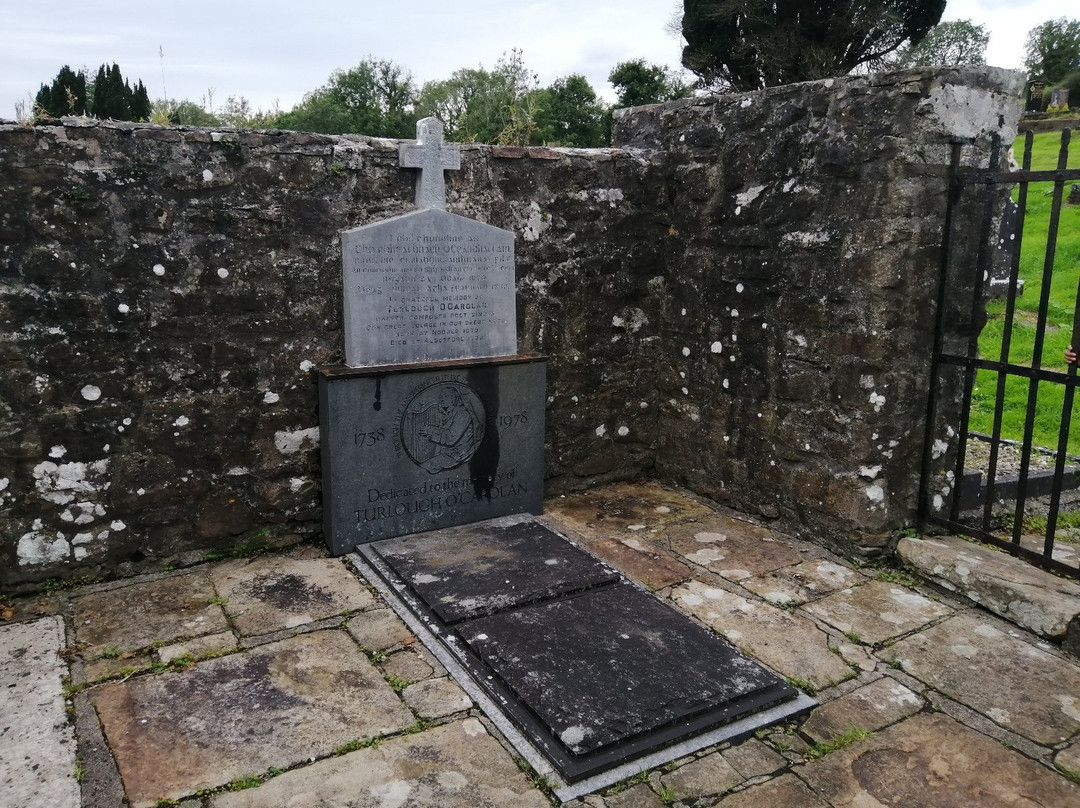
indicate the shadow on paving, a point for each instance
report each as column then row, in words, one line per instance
column 282, row 680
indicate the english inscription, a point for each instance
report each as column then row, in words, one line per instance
column 415, row 450
column 428, row 286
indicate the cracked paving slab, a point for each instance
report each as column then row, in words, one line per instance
column 931, row 761
column 457, row 765
column 270, row 594
column 277, row 705
column 877, row 611
column 737, row 550
column 1015, row 684
column 37, row 744
column 170, row 609
column 788, row 643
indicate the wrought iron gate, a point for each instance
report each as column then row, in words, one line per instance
column 989, row 470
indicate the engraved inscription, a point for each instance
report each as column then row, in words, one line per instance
column 428, row 286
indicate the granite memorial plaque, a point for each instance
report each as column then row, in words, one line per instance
column 434, row 421
column 421, row 447
column 429, row 285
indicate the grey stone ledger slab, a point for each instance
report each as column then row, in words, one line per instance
column 428, row 286
column 420, row 447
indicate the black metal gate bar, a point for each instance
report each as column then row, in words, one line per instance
column 1037, row 350
column 1067, row 403
column 969, row 364
column 1006, row 341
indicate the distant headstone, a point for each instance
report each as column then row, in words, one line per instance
column 1059, row 98
column 435, row 420
column 430, row 285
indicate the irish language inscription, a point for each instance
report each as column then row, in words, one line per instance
column 428, row 286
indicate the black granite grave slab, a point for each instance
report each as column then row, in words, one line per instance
column 610, row 664
column 479, row 569
column 407, row 449
column 594, row 671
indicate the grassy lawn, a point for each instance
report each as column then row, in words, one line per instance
column 1063, row 293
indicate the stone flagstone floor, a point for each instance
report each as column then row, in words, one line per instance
column 282, row 680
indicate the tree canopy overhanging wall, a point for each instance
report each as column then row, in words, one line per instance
column 738, row 298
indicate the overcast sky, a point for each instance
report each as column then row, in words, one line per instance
column 272, row 52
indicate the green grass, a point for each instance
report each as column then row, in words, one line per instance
column 852, row 736
column 1063, row 290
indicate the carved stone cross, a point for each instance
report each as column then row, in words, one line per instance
column 432, row 158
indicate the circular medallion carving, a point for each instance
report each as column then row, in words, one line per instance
column 442, row 426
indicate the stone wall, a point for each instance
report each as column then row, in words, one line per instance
column 738, row 298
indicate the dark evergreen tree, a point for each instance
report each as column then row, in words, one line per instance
column 112, row 95
column 139, row 106
column 749, row 44
column 65, row 96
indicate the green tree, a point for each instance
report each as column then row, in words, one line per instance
column 484, row 106
column 374, row 98
column 185, row 113
column 958, row 42
column 1053, row 50
column 65, row 96
column 637, row 82
column 749, row 44
column 571, row 114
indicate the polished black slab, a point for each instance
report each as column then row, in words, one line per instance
column 479, row 569
column 595, row 671
column 610, row 664
column 408, row 449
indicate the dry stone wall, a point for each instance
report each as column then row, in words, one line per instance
column 738, row 297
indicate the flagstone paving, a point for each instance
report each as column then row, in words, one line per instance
column 281, row 680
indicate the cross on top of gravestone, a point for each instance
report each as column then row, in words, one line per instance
column 432, row 158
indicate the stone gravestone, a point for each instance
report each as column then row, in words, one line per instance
column 435, row 419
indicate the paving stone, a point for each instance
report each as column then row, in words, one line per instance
column 1024, row 594
column 857, row 655
column 408, row 666
column 931, row 761
column 877, row 611
column 636, row 557
column 127, row 662
column 198, row 647
column 272, row 593
column 1068, row 759
column 789, row 643
column 871, row 707
column 272, row 706
column 37, row 746
column 703, row 777
column 752, row 759
column 136, row 616
column 100, row 785
column 623, row 509
column 458, row 765
column 734, row 549
column 1017, row 685
column 803, row 582
column 436, row 698
column 786, row 791
column 379, row 629
column 639, row 796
